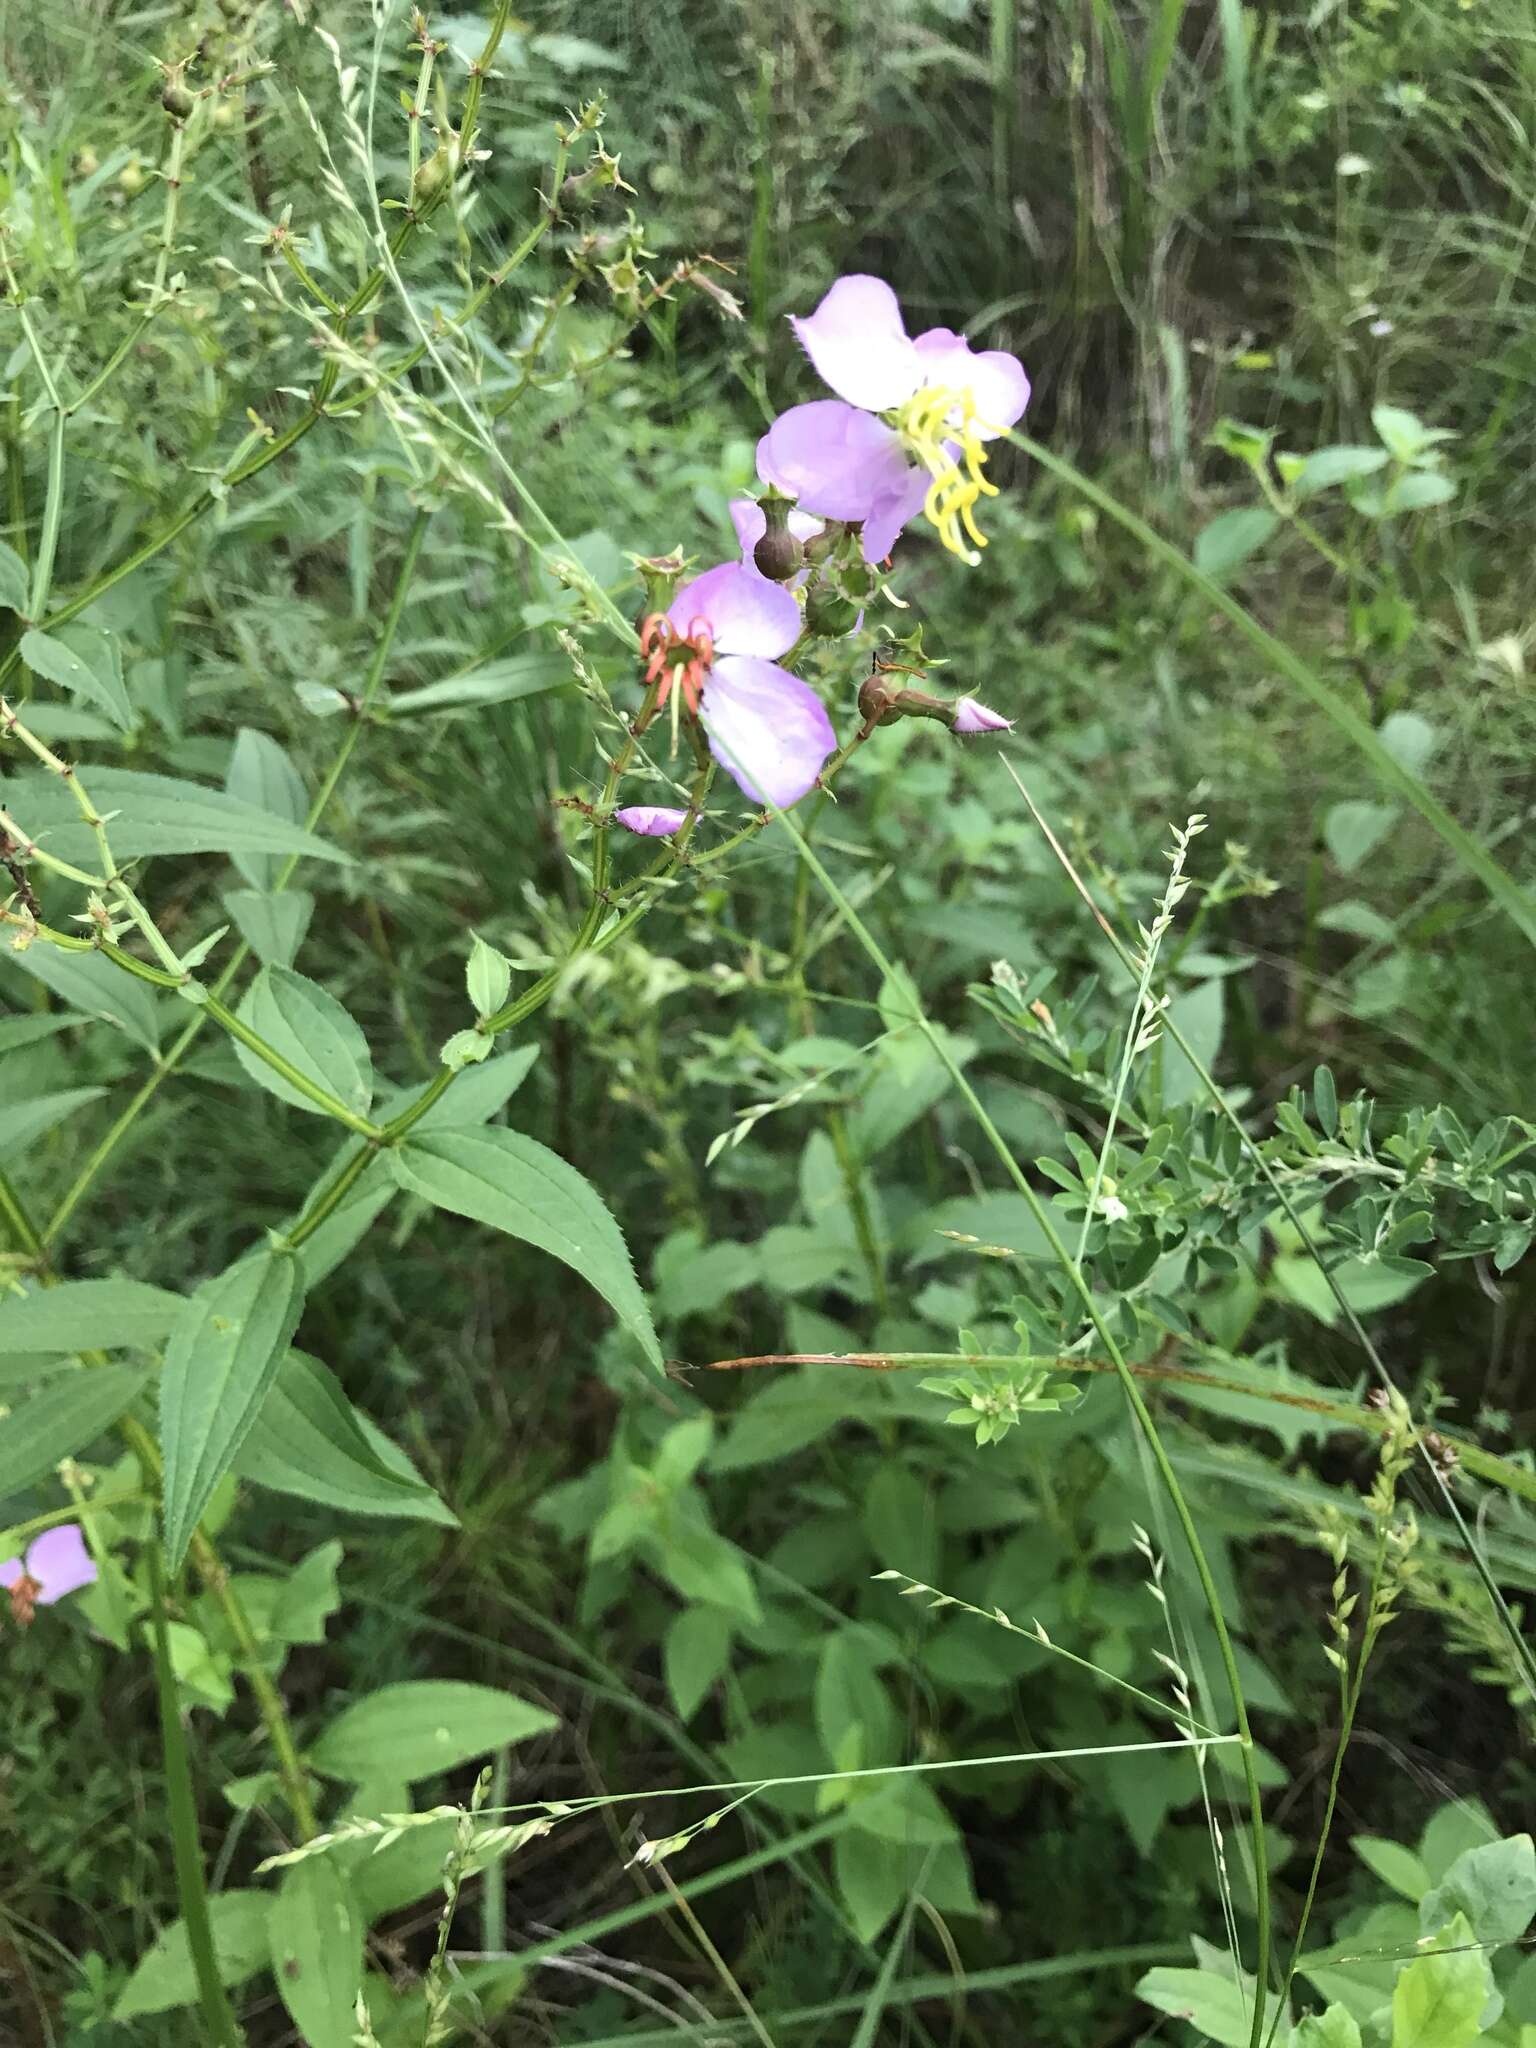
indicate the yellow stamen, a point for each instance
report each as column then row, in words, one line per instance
column 929, row 418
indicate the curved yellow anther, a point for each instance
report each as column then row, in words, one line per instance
column 929, row 419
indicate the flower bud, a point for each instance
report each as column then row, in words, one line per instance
column 827, row 614
column 778, row 555
column 970, row 717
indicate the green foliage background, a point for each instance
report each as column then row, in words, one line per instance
column 1181, row 218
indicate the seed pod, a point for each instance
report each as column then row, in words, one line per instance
column 830, row 616
column 176, row 100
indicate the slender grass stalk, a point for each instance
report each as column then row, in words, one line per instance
column 191, row 1884
column 1134, row 1398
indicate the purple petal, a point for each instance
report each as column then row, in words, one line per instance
column 651, row 821
column 767, row 729
column 858, row 342
column 10, row 1572
column 996, row 380
column 836, row 460
column 751, row 523
column 891, row 512
column 744, row 612
column 60, row 1563
column 973, row 717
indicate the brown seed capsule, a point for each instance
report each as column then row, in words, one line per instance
column 778, row 556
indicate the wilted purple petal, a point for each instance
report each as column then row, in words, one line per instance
column 60, row 1563
column 751, row 523
column 996, row 380
column 744, row 612
column 767, row 729
column 858, row 342
column 836, row 460
column 971, row 717
column 651, row 821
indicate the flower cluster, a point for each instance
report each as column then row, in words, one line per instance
column 906, row 434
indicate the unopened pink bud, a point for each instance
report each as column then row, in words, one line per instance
column 971, row 717
column 651, row 821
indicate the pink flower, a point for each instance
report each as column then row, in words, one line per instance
column 971, row 717
column 56, row 1564
column 716, row 647
column 651, row 821
column 907, row 429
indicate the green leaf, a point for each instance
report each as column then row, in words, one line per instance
column 88, row 1315
column 1325, row 1098
column 1395, row 1865
column 15, row 586
column 152, row 814
column 1232, row 537
column 1200, row 1013
column 1334, row 2028
column 498, row 682
column 86, row 662
column 316, row 1936
column 273, row 927
column 1355, row 829
column 1329, row 467
column 90, row 983
column 694, row 1655
column 311, row 1030
column 1493, row 1885
column 421, row 1727
column 70, row 1412
column 220, row 1363
column 1419, row 491
column 16, row 1032
column 348, row 1223
column 261, row 775
column 24, row 1121
column 487, row 977
column 310, row 1441
column 1403, row 434
column 475, row 1097
column 873, row 1878
column 165, row 1977
column 1212, row 2004
column 1438, row 2000
column 517, row 1185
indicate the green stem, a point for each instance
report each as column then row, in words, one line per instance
column 53, row 513
column 191, row 1885
column 1135, row 1400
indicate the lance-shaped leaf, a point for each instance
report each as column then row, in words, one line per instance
column 220, row 1363
column 87, row 1315
column 520, row 1186
column 309, row 1440
column 69, row 1413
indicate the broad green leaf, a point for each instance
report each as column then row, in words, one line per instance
column 1200, row 1013
column 1451, row 1830
column 89, row 983
column 1212, row 2003
column 850, row 1701
column 1439, row 1998
column 88, row 1315
column 316, row 1936
column 165, row 1977
column 220, row 1363
column 873, row 1878
column 68, row 1413
column 498, row 682
column 15, row 589
column 517, row 1185
column 16, row 1032
column 421, row 1727
column 152, row 814
column 1355, row 829
column 309, row 1440
column 1334, row 2028
column 1329, row 467
column 313, row 1033
column 1420, row 490
column 1493, row 1885
column 86, row 662
column 260, row 774
column 21, row 1122
column 1394, row 1864
column 1232, row 537
column 694, row 1655
column 272, row 926
column 475, row 1096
